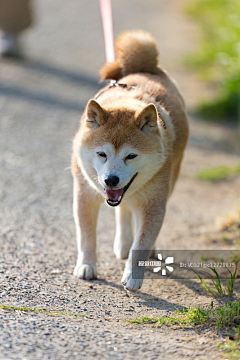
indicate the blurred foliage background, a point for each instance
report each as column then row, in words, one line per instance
column 218, row 56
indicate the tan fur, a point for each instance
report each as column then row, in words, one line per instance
column 136, row 52
column 122, row 121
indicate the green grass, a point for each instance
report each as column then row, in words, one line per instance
column 219, row 290
column 226, row 316
column 232, row 349
column 143, row 320
column 219, row 173
column 217, row 59
column 49, row 312
column 188, row 316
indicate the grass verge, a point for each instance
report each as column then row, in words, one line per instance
column 227, row 316
column 218, row 56
column 45, row 311
column 219, row 173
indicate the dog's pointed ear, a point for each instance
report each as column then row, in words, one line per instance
column 96, row 115
column 146, row 120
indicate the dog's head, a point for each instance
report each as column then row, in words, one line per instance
column 119, row 147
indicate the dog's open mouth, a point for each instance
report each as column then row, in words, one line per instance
column 114, row 197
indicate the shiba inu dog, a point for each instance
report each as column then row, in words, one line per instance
column 128, row 153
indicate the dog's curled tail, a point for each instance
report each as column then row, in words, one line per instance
column 136, row 51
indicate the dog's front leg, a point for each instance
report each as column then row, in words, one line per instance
column 86, row 205
column 123, row 238
column 148, row 221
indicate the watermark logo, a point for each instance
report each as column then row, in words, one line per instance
column 168, row 260
column 158, row 266
column 185, row 264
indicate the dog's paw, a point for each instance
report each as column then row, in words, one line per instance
column 85, row 271
column 131, row 284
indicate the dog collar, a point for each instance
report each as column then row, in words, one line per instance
column 114, row 83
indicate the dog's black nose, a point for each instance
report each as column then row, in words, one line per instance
column 111, row 181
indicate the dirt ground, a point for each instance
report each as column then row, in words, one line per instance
column 41, row 100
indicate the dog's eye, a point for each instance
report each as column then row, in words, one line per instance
column 102, row 154
column 130, row 156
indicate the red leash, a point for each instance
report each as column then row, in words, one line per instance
column 106, row 12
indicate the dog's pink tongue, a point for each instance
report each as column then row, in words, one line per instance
column 114, row 194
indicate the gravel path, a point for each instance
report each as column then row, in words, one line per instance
column 41, row 100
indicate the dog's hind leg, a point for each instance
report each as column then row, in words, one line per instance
column 176, row 165
column 123, row 238
column 86, row 204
